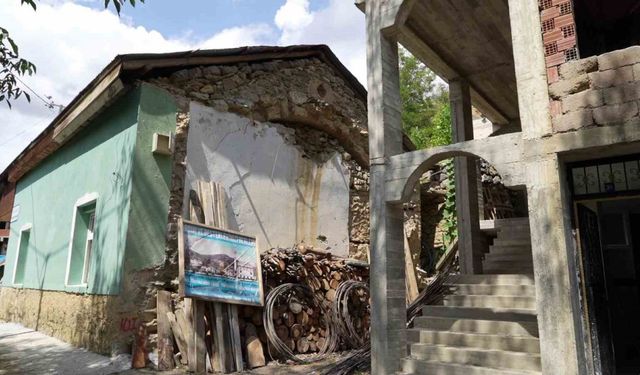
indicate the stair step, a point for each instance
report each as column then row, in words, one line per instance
column 477, row 326
column 519, row 256
column 509, row 302
column 477, row 357
column 498, row 314
column 512, row 242
column 497, row 270
column 493, row 290
column 513, row 233
column 519, row 249
column 505, row 279
column 509, row 266
column 421, row 367
column 481, row 341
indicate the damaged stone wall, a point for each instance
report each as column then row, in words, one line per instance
column 597, row 91
column 306, row 95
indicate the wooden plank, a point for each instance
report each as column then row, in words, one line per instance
column 200, row 350
column 226, row 360
column 451, row 251
column 411, row 280
column 165, row 341
column 184, row 325
column 236, row 343
column 178, row 335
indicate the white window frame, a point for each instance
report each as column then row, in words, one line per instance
column 87, row 199
column 25, row 228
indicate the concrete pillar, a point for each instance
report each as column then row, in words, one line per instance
column 470, row 242
column 388, row 306
column 558, row 313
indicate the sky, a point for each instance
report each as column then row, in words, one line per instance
column 71, row 41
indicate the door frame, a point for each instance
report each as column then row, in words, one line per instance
column 584, row 308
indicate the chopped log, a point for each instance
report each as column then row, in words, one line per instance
column 321, row 342
column 255, row 352
column 250, row 330
column 302, row 318
column 331, row 295
column 295, row 307
column 282, row 332
column 302, row 345
column 296, row 331
column 334, row 283
column 290, row 343
column 289, row 319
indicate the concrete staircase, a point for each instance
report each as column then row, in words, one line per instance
column 487, row 324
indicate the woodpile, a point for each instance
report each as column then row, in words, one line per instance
column 297, row 320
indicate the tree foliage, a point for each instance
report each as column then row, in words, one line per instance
column 426, row 116
column 12, row 65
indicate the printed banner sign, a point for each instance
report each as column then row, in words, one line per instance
column 219, row 265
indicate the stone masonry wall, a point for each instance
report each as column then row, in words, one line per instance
column 597, row 91
column 305, row 94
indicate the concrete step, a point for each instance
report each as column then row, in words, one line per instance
column 512, row 242
column 481, row 313
column 477, row 357
column 514, row 236
column 474, row 340
column 421, row 367
column 493, row 269
column 520, row 249
column 521, row 256
column 508, row 266
column 510, row 302
column 493, row 290
column 506, row 279
column 527, row 328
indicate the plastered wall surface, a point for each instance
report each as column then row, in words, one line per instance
column 275, row 193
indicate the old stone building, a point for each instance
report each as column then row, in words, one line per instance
column 556, row 291
column 99, row 192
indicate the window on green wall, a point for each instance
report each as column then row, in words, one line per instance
column 22, row 254
column 82, row 241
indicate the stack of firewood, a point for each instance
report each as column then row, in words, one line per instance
column 298, row 322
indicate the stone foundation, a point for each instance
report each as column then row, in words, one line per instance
column 95, row 322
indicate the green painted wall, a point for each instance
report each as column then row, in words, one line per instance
column 98, row 160
column 151, row 181
column 112, row 158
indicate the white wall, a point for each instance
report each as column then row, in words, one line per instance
column 275, row 194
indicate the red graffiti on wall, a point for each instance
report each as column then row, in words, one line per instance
column 128, row 324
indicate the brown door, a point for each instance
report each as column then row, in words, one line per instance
column 595, row 283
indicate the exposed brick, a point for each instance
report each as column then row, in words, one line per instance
column 566, row 43
column 615, row 59
column 572, row 120
column 552, row 36
column 552, row 75
column 555, row 107
column 566, row 87
column 622, row 93
column 577, row 67
column 549, row 13
column 555, row 59
column 565, row 20
column 615, row 113
column 612, row 77
column 585, row 99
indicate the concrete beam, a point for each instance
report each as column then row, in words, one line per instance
column 503, row 152
column 388, row 307
column 420, row 49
